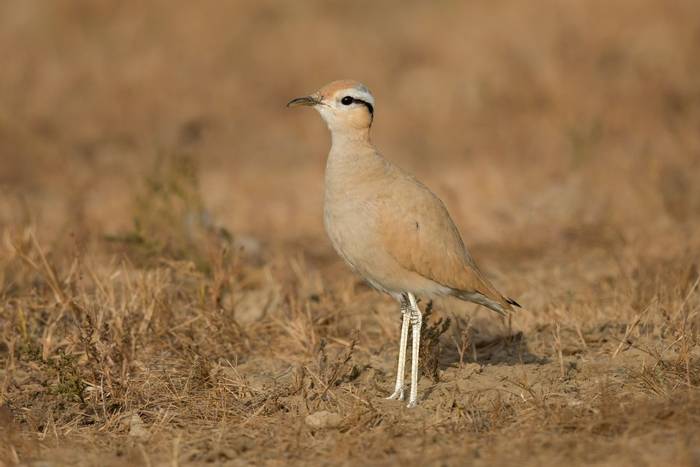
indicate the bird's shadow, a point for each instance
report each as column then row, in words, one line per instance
column 465, row 343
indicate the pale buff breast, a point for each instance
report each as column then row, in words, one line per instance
column 356, row 195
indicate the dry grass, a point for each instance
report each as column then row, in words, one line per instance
column 167, row 293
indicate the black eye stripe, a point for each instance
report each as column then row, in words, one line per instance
column 366, row 104
column 347, row 100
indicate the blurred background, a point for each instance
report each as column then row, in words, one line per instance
column 534, row 123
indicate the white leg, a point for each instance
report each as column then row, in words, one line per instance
column 403, row 343
column 416, row 321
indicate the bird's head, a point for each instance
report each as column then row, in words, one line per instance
column 345, row 106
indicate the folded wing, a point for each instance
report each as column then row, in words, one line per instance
column 418, row 232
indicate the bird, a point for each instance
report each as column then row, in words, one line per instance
column 389, row 227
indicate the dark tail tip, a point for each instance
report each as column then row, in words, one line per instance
column 510, row 301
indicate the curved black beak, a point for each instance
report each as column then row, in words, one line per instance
column 306, row 100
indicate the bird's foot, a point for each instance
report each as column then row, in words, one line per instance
column 412, row 403
column 397, row 395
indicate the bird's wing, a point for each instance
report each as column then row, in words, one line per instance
column 418, row 232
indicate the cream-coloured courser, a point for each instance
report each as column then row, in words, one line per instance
column 388, row 226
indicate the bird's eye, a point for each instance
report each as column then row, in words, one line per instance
column 347, row 100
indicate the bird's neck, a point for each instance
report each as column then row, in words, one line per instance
column 352, row 158
column 350, row 137
column 349, row 146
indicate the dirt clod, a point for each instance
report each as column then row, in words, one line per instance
column 137, row 429
column 323, row 419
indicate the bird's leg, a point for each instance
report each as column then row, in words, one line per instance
column 416, row 321
column 403, row 342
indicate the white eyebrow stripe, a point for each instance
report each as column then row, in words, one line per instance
column 361, row 95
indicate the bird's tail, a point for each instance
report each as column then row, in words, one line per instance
column 510, row 301
column 481, row 291
column 496, row 302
